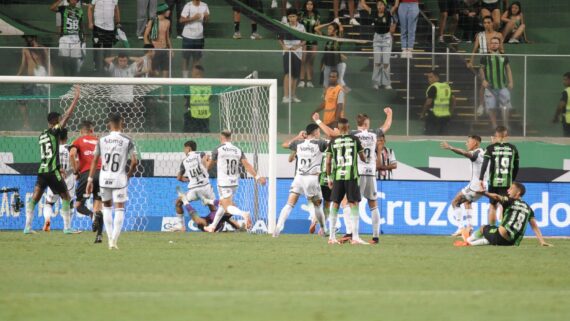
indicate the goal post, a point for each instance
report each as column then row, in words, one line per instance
column 253, row 102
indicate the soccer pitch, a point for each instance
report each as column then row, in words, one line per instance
column 227, row 276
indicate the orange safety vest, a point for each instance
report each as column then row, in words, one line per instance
column 331, row 98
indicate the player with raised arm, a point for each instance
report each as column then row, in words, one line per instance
column 114, row 149
column 49, row 172
column 67, row 171
column 503, row 161
column 309, row 149
column 342, row 172
column 469, row 193
column 228, row 157
column 81, row 155
column 517, row 213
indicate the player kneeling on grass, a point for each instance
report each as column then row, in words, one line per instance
column 193, row 170
column 516, row 214
column 114, row 149
column 309, row 148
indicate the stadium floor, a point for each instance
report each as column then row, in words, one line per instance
column 254, row 277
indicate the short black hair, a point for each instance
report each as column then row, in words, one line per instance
column 53, row 117
column 148, row 47
column 199, row 67
column 86, row 124
column 191, row 144
column 343, row 121
column 115, row 118
column 487, row 18
column 63, row 134
column 122, row 54
column 434, row 72
column 226, row 133
column 566, row 75
column 475, row 137
column 520, row 187
column 292, row 11
column 501, row 129
column 311, row 128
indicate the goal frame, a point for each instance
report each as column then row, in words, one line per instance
column 271, row 83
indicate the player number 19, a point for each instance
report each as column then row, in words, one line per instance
column 502, row 165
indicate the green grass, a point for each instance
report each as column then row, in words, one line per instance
column 251, row 277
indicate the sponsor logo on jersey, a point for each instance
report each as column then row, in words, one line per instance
column 113, row 141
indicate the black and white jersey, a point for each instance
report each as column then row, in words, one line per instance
column 64, row 160
column 193, row 168
column 476, row 163
column 309, row 153
column 228, row 158
column 368, row 140
column 115, row 149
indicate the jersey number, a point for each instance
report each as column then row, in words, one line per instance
column 45, row 147
column 517, row 220
column 305, row 163
column 345, row 160
column 231, row 167
column 72, row 25
column 195, row 172
column 502, row 165
column 114, row 160
column 367, row 154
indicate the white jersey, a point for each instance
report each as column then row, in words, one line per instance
column 64, row 160
column 368, row 139
column 228, row 158
column 193, row 168
column 309, row 154
column 476, row 163
column 115, row 149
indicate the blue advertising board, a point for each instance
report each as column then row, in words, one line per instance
column 406, row 207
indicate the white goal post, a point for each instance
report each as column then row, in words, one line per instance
column 269, row 84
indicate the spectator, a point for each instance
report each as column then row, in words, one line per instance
column 255, row 4
column 310, row 19
column 194, row 15
column 333, row 104
column 157, row 33
column 408, row 12
column 439, row 105
column 448, row 8
column 564, row 106
column 332, row 58
column 122, row 96
column 292, row 55
column 104, row 17
column 284, row 6
column 60, row 3
column 386, row 161
column 514, row 29
column 351, row 11
column 146, row 10
column 71, row 35
column 197, row 119
column 178, row 5
column 34, row 63
column 468, row 18
column 497, row 79
column 145, row 65
column 382, row 44
column 492, row 9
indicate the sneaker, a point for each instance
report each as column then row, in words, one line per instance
column 374, row 240
column 237, row 35
column 354, row 22
column 388, row 87
column 273, row 4
column 29, row 231
column 98, row 239
column 466, row 233
column 286, row 100
column 513, row 40
column 410, row 54
column 71, row 231
column 296, row 100
column 284, row 20
column 247, row 217
column 178, row 37
column 480, row 110
column 460, row 243
column 301, row 84
column 376, row 87
column 358, row 241
column 46, row 227
column 288, row 5
column 457, row 232
column 276, row 232
column 255, row 36
column 333, row 241
column 313, row 227
column 455, row 39
column 336, row 20
column 309, row 84
column 210, row 229
column 404, row 54
column 345, row 238
column 441, row 40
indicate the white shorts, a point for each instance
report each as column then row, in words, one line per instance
column 227, row 192
column 70, row 46
column 469, row 194
column 368, row 187
column 117, row 195
column 70, row 183
column 495, row 98
column 307, row 185
column 201, row 193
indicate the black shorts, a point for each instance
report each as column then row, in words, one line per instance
column 82, row 185
column 103, row 38
column 349, row 188
column 53, row 180
column 497, row 190
column 491, row 234
column 188, row 43
column 295, row 65
column 326, row 193
column 490, row 6
column 449, row 6
column 210, row 219
column 254, row 4
column 160, row 62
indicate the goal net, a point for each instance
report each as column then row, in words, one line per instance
column 159, row 117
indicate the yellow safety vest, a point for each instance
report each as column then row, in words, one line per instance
column 567, row 114
column 441, row 101
column 200, row 101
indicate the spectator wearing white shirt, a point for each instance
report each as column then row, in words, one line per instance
column 293, row 53
column 193, row 17
column 386, row 161
column 103, row 16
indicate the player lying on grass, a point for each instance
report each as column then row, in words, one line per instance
column 469, row 193
column 49, row 172
column 516, row 214
column 308, row 148
column 203, row 221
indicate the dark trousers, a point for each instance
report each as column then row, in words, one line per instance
column 470, row 26
column 436, row 125
column 196, row 125
column 102, row 39
column 179, row 4
column 566, row 129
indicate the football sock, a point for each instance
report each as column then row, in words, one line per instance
column 108, row 221
column 218, row 217
column 468, row 217
column 180, row 219
column 236, row 26
column 253, row 27
column 347, row 220
column 475, row 236
column 99, row 218
column 332, row 222
column 478, row 242
column 285, row 211
column 355, row 217
column 320, row 216
column 48, row 212
column 82, row 209
column 30, row 213
column 66, row 214
column 458, row 213
column 375, row 213
column 118, row 223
